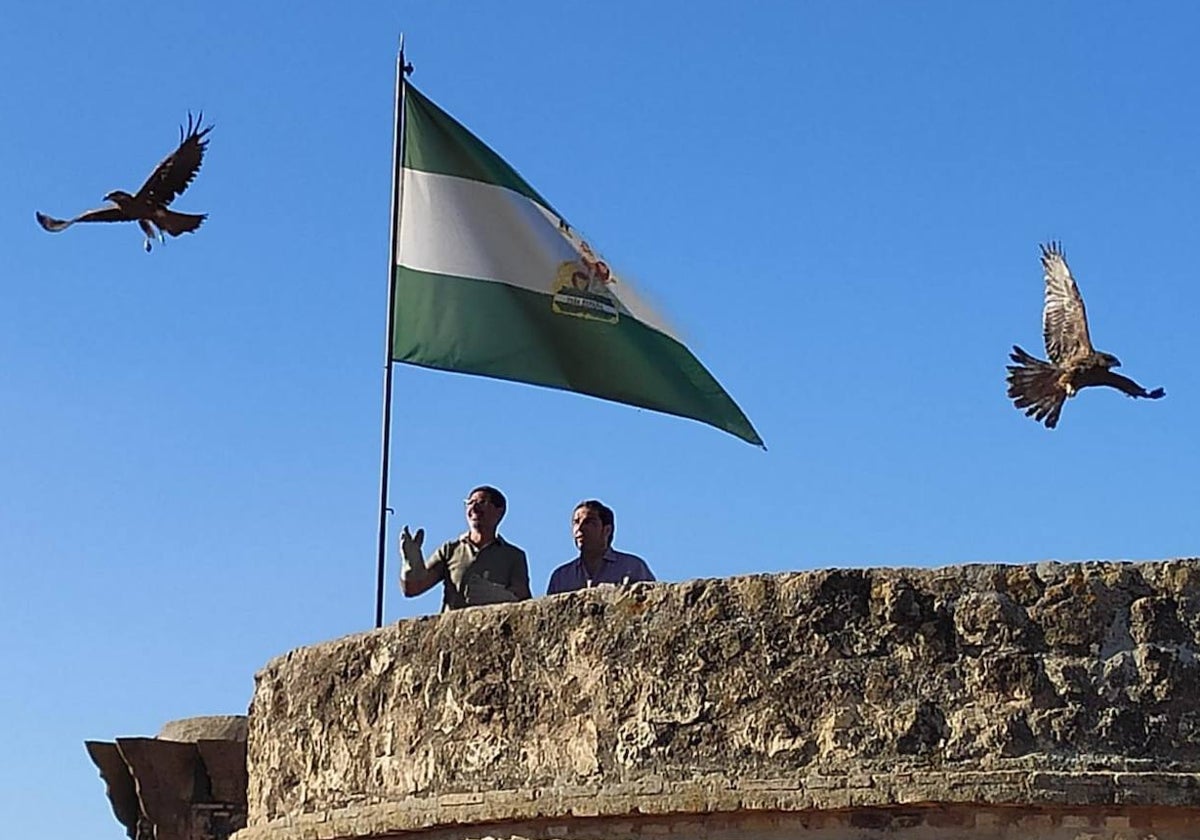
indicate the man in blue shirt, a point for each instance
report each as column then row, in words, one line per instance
column 592, row 525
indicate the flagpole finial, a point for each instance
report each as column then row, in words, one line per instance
column 405, row 67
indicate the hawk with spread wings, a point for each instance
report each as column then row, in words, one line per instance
column 1041, row 388
column 149, row 206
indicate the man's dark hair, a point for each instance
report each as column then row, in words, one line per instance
column 604, row 512
column 494, row 495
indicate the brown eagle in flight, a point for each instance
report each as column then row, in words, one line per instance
column 1041, row 388
column 149, row 206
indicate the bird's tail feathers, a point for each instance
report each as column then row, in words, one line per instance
column 50, row 223
column 176, row 223
column 1033, row 386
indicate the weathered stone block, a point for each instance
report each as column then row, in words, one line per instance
column 1054, row 686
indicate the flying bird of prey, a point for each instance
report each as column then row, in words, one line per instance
column 1041, row 388
column 148, row 207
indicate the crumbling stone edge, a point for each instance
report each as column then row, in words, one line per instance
column 717, row 793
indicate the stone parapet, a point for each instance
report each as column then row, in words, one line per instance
column 1061, row 695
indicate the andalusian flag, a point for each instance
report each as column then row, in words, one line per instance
column 491, row 280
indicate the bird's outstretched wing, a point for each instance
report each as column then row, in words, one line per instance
column 1124, row 383
column 178, row 169
column 1064, row 321
column 108, row 213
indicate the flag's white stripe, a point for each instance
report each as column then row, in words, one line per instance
column 465, row 228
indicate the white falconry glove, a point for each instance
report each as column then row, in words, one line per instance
column 410, row 550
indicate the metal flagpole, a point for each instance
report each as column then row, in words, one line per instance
column 402, row 69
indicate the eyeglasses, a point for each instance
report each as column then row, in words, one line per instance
column 476, row 502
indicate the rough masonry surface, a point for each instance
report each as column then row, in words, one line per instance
column 1013, row 685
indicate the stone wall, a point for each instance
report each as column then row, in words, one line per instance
column 1049, row 700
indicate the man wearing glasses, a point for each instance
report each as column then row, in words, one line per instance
column 480, row 567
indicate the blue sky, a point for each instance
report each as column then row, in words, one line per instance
column 838, row 205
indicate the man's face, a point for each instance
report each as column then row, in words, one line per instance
column 590, row 533
column 482, row 515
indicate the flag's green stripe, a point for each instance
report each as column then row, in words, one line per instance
column 436, row 142
column 492, row 329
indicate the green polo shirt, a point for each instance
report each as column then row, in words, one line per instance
column 472, row 576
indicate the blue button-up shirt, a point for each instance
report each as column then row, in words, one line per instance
column 618, row 567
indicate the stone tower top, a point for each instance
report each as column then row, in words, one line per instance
column 1048, row 691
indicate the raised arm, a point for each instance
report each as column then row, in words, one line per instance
column 416, row 577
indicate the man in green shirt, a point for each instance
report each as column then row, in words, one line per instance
column 479, row 567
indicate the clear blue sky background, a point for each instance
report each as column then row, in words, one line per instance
column 837, row 204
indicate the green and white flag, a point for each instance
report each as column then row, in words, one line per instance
column 490, row 280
